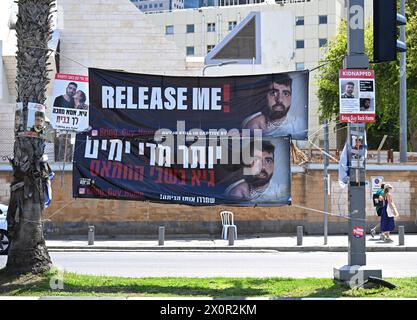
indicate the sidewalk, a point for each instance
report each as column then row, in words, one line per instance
column 288, row 244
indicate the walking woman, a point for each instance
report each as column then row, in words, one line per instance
column 389, row 211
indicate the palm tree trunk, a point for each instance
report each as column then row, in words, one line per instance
column 28, row 252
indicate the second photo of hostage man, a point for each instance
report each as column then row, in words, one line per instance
column 277, row 103
column 365, row 104
column 67, row 100
column 257, row 185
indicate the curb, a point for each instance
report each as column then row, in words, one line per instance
column 224, row 249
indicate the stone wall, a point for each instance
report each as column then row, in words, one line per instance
column 72, row 216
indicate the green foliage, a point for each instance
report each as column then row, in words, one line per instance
column 387, row 85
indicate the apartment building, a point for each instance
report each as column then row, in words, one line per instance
column 158, row 5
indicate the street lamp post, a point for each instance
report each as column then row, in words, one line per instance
column 223, row 63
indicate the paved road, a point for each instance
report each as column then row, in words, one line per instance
column 227, row 264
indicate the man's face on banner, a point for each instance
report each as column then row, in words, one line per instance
column 278, row 100
column 367, row 104
column 71, row 90
column 262, row 169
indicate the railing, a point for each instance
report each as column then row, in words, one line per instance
column 386, row 156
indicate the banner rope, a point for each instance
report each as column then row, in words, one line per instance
column 59, row 53
column 326, row 213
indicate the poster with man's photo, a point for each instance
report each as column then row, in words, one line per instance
column 70, row 110
column 36, row 117
column 357, row 95
column 126, row 102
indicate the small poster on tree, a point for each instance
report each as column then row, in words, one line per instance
column 70, row 108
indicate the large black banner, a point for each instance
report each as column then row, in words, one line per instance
column 142, row 104
column 196, row 141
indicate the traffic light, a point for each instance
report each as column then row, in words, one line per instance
column 386, row 20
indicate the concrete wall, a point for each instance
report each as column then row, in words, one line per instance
column 72, row 216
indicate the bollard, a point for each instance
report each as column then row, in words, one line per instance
column 299, row 235
column 161, row 236
column 231, row 235
column 91, row 230
column 401, row 232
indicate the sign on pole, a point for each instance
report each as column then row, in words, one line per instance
column 357, row 95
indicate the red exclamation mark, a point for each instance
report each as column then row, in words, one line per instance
column 226, row 98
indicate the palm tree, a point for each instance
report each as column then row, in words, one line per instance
column 28, row 252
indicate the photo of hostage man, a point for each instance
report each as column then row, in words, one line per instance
column 277, row 103
column 39, row 122
column 67, row 100
column 365, row 104
column 257, row 185
column 349, row 91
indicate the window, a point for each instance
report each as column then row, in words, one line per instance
column 160, row 5
column 299, row 44
column 190, row 51
column 140, row 7
column 145, row 6
column 210, row 47
column 299, row 21
column 322, row 19
column 232, row 24
column 190, row 28
column 211, row 27
column 299, row 66
column 169, row 30
column 322, row 42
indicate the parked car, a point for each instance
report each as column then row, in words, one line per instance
column 4, row 236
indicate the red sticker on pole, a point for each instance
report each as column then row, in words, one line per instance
column 358, row 232
column 357, row 95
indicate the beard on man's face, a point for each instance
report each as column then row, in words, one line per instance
column 276, row 112
column 258, row 180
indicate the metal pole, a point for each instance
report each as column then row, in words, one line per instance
column 401, row 233
column 91, row 230
column 356, row 59
column 403, row 93
column 380, row 147
column 299, row 235
column 231, row 235
column 161, row 236
column 357, row 255
column 326, row 182
column 65, row 159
